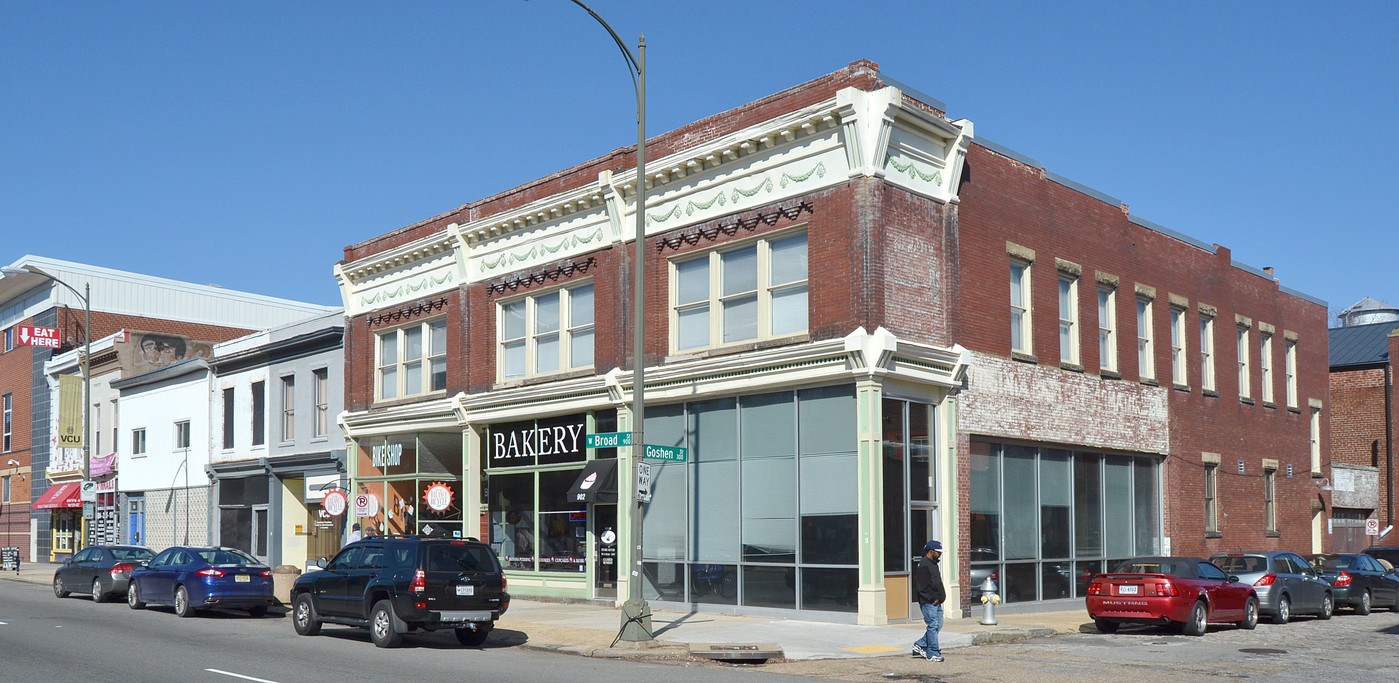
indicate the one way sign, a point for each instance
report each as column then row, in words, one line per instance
column 30, row 335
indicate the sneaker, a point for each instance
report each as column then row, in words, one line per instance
column 919, row 652
column 936, row 658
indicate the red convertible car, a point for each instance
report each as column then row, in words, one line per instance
column 1170, row 590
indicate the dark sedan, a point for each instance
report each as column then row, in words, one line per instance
column 1358, row 581
column 100, row 571
column 193, row 579
column 1187, row 591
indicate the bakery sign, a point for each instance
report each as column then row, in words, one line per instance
column 548, row 441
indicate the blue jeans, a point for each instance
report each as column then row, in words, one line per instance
column 932, row 616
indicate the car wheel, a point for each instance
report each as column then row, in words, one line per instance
column 303, row 616
column 257, row 611
column 1363, row 608
column 133, row 599
column 98, row 595
column 182, row 606
column 381, row 626
column 1195, row 626
column 59, row 591
column 1105, row 626
column 1284, row 610
column 1327, row 607
column 474, row 636
column 1250, row 615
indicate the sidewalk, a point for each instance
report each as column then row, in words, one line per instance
column 589, row 629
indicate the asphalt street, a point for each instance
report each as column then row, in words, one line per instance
column 45, row 638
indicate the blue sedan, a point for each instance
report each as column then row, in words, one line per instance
column 192, row 579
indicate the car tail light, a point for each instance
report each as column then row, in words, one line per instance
column 210, row 572
column 419, row 584
column 1343, row 579
column 121, row 569
column 1168, row 589
column 1095, row 588
column 267, row 573
column 502, row 581
column 1266, row 580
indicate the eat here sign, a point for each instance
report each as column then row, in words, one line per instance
column 30, row 335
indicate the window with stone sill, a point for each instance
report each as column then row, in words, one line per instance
column 412, row 360
column 1245, row 390
column 1265, row 366
column 754, row 291
column 1107, row 329
column 1290, row 367
column 546, row 333
column 1068, row 319
column 1020, row 335
column 1146, row 362
column 1178, row 369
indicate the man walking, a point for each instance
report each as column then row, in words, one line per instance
column 927, row 583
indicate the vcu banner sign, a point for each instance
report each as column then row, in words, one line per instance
column 70, row 411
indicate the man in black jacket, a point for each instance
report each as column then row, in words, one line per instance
column 927, row 583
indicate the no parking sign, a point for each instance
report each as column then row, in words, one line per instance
column 1372, row 527
column 366, row 505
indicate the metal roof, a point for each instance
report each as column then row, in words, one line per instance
column 1360, row 344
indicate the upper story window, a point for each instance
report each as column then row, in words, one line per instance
column 9, row 416
column 138, row 441
column 412, row 360
column 322, row 397
column 1020, row 307
column 1290, row 367
column 1107, row 328
column 1265, row 366
column 1068, row 319
column 1178, row 371
column 9, row 338
column 747, row 293
column 182, row 435
column 259, row 413
column 1211, row 498
column 5, row 489
column 288, row 407
column 1206, row 352
column 228, row 418
column 546, row 333
column 1146, row 366
column 1316, row 441
column 1270, row 512
column 1244, row 374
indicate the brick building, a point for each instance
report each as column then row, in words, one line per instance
column 868, row 327
column 1364, row 351
column 129, row 312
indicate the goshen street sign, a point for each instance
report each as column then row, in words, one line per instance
column 31, row 335
column 607, row 440
column 671, row 453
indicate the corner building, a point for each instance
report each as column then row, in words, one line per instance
column 853, row 328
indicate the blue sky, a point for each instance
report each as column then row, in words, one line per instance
column 246, row 143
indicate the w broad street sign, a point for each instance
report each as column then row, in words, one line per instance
column 607, row 440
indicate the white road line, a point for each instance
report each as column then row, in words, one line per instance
column 246, row 678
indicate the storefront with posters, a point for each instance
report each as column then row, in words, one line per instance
column 412, row 484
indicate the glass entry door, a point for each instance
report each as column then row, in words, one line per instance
column 605, row 542
column 922, row 526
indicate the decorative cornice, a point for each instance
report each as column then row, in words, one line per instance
column 405, row 289
column 694, row 235
column 406, row 255
column 527, row 280
column 406, row 313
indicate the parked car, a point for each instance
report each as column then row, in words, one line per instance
column 396, row 584
column 194, row 579
column 1387, row 553
column 1285, row 582
column 99, row 570
column 1358, row 581
column 1187, row 591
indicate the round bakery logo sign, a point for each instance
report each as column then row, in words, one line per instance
column 334, row 502
column 438, row 496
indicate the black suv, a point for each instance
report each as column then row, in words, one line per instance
column 397, row 584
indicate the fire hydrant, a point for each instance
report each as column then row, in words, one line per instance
column 989, row 597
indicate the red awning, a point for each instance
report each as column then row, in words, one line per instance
column 58, row 496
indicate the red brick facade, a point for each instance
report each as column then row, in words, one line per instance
column 1360, row 427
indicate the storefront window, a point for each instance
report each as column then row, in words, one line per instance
column 1068, row 515
column 563, row 526
column 414, row 480
column 512, row 520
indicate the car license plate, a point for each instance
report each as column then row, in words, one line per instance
column 242, row 578
column 1127, row 590
column 466, row 590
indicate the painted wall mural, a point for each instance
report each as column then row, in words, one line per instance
column 146, row 351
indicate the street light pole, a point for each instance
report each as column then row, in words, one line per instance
column 636, row 614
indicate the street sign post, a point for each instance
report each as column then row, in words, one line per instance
column 607, row 440
column 671, row 453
